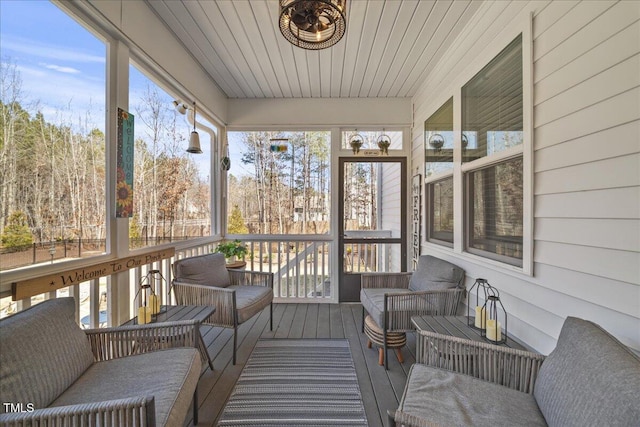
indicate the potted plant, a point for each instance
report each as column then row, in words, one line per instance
column 232, row 250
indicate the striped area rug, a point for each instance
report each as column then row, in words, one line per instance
column 297, row 382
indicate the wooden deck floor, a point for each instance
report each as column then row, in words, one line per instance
column 381, row 390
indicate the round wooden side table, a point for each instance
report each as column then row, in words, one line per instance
column 395, row 340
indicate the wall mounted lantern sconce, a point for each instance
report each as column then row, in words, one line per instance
column 384, row 142
column 436, row 141
column 356, row 141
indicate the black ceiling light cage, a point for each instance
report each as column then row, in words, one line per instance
column 313, row 24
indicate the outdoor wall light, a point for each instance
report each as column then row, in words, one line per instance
column 182, row 108
column 436, row 141
column 356, row 142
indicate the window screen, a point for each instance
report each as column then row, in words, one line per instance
column 440, row 197
column 495, row 216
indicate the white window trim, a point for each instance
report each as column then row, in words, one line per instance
column 521, row 25
column 438, row 176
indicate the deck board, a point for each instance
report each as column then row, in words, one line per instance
column 381, row 390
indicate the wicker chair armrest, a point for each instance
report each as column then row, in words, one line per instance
column 385, row 280
column 251, row 278
column 401, row 307
column 122, row 341
column 139, row 411
column 223, row 299
column 510, row 367
column 407, row 420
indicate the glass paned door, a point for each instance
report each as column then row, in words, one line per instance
column 372, row 220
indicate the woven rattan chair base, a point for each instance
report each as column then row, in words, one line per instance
column 395, row 340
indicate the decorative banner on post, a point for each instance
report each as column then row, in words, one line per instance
column 39, row 285
column 124, row 165
column 416, row 218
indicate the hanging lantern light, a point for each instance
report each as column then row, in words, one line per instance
column 194, row 138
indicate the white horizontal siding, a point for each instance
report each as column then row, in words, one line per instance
column 619, row 203
column 613, row 81
column 594, row 232
column 586, row 165
column 615, row 111
column 390, row 207
column 605, row 144
column 607, row 54
column 590, row 176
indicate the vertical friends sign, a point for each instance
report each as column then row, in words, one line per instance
column 124, row 165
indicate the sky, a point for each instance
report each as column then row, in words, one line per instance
column 62, row 66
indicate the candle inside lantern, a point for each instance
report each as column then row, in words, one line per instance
column 144, row 315
column 493, row 330
column 481, row 317
column 154, row 304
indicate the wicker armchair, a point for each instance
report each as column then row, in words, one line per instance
column 436, row 288
column 504, row 366
column 590, row 378
column 72, row 376
column 238, row 295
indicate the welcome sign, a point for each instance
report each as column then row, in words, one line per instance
column 40, row 285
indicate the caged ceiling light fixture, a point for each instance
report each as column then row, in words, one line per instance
column 313, row 24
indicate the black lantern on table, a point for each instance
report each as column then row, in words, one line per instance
column 496, row 315
column 483, row 288
column 149, row 301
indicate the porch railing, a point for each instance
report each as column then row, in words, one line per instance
column 301, row 267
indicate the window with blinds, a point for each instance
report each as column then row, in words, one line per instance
column 440, row 214
column 495, row 215
column 438, row 138
column 492, row 116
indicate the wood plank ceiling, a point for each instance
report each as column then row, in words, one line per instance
column 388, row 49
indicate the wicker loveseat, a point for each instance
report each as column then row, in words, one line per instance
column 589, row 379
column 58, row 374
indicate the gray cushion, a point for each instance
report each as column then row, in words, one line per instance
column 446, row 398
column 372, row 300
column 590, row 378
column 250, row 300
column 167, row 375
column 43, row 352
column 210, row 270
column 435, row 274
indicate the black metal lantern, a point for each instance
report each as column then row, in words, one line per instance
column 484, row 289
column 148, row 302
column 496, row 318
